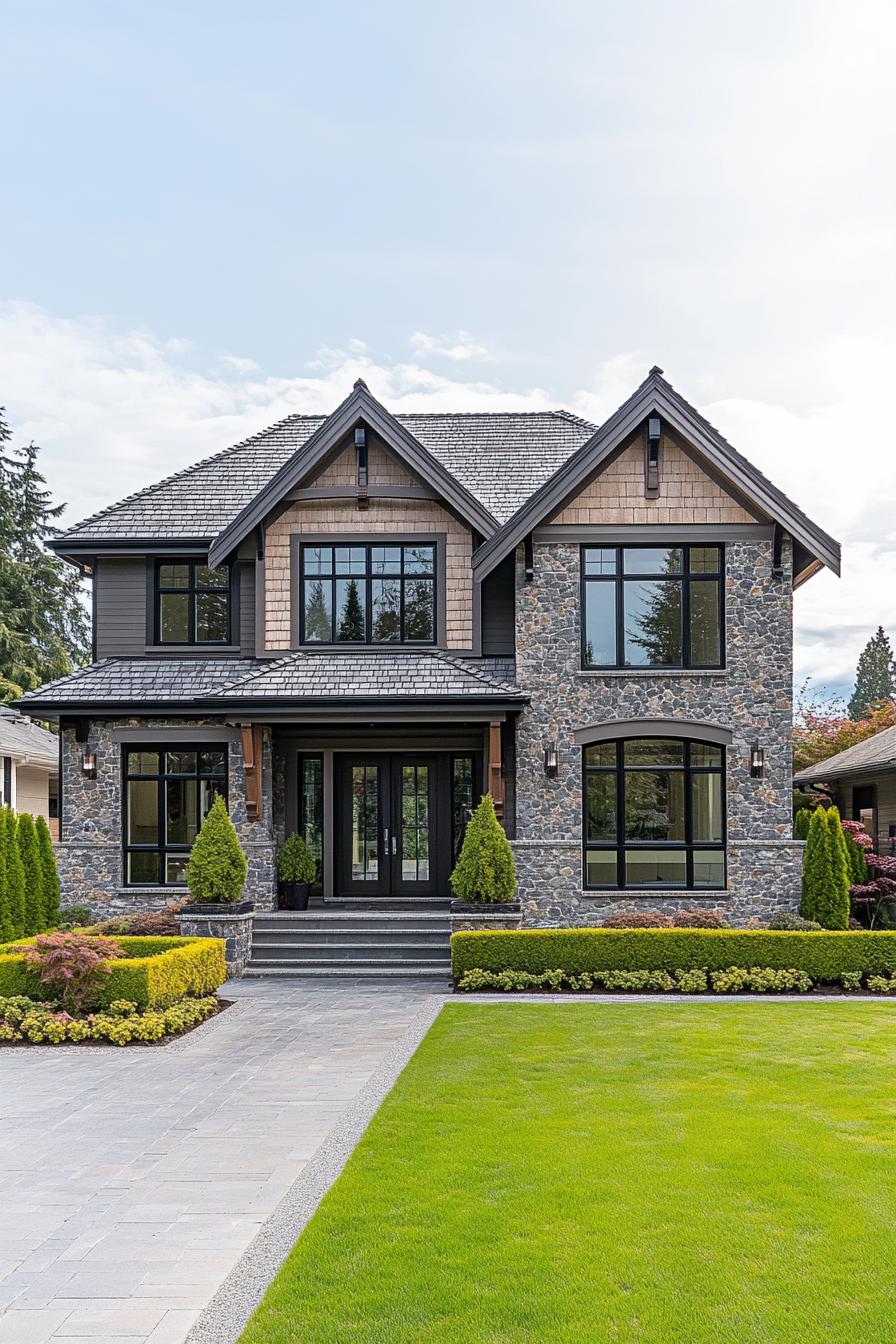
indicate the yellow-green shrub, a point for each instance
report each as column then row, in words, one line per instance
column 824, row 956
column 154, row 973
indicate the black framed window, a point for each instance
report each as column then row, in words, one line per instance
column 368, row 594
column 653, row 606
column 166, row 797
column 192, row 602
column 654, row 813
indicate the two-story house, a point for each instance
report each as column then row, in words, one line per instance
column 354, row 625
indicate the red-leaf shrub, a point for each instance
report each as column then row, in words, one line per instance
column 72, row 966
column 637, row 919
column 149, row 924
column 700, row 919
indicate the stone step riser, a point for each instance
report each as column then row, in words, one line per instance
column 370, row 953
column 437, row 974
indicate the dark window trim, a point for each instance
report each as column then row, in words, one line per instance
column 618, row 580
column 301, row 758
column 438, row 540
column 161, row 849
column 193, row 562
column 620, row 844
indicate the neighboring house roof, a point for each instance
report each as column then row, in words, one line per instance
column 872, row 756
column 25, row 742
column 300, row 680
column 498, row 458
column 657, row 396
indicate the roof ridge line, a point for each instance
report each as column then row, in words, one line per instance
column 456, row 661
column 271, row 663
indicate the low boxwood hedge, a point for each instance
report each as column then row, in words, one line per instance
column 824, row 956
column 155, row 972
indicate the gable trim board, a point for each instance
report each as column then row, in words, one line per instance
column 713, row 452
column 358, row 406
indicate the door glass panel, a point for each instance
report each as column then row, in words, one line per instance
column 365, row 823
column 415, row 823
column 311, row 806
column 461, row 800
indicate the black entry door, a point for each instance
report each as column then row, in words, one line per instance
column 387, row 831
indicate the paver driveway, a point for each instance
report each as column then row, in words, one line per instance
column 131, row 1181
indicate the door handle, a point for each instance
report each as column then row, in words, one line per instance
column 394, row 845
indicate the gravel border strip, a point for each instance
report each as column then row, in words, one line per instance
column 223, row 1320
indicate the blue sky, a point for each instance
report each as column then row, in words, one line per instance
column 217, row 213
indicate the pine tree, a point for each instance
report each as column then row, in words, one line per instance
column 317, row 615
column 51, row 875
column 34, row 875
column 351, row 620
column 44, row 626
column 485, row 869
column 875, row 676
column 217, row 868
column 15, row 875
column 7, row 932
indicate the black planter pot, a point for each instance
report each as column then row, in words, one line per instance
column 295, row 895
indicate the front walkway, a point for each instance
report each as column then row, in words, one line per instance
column 132, row 1181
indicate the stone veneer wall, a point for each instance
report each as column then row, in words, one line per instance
column 752, row 697
column 89, row 854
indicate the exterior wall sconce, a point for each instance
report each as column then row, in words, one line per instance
column 88, row 765
column 551, row 760
column 757, row 761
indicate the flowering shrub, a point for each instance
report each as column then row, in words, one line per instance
column 72, row 966
column 21, row 1019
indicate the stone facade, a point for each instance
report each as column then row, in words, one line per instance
column 751, row 697
column 90, row 852
column 234, row 929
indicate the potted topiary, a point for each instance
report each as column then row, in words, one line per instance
column 297, row 871
column 484, row 880
column 216, row 876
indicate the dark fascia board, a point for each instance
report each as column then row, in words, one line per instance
column 655, row 395
column 334, row 707
column 815, row 775
column 359, row 405
column 76, row 550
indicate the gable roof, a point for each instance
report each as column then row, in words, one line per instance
column 298, row 681
column 657, row 396
column 26, row 742
column 873, row 755
column 498, row 457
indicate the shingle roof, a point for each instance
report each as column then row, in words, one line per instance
column 26, row 741
column 500, row 457
column 875, row 753
column 297, row 678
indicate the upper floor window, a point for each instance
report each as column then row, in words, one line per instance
column 368, row 594
column 654, row 813
column 652, row 606
column 192, row 603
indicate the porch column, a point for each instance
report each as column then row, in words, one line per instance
column 495, row 776
column 251, row 734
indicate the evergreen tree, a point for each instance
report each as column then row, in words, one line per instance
column 15, row 874
column 875, row 676
column 825, row 875
column 50, row 873
column 217, row 868
column 801, row 823
column 317, row 615
column 351, row 620
column 485, row 870
column 34, row 875
column 44, row 626
column 7, row 932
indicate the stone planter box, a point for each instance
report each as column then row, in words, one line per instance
column 467, row 918
column 232, row 922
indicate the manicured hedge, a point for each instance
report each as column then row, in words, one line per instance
column 155, row 973
column 824, row 956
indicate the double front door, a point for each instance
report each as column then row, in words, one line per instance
column 390, row 840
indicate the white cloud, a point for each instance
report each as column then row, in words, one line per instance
column 461, row 347
column 116, row 410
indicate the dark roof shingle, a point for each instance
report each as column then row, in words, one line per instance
column 875, row 753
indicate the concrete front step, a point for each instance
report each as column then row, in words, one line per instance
column 349, row 952
column 346, row 932
column 300, row 924
column 354, row 937
column 348, row 971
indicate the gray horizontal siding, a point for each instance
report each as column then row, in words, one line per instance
column 120, row 608
column 245, row 614
column 498, row 610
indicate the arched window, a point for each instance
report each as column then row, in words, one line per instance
column 654, row 813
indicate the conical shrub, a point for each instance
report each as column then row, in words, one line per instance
column 15, row 874
column 485, row 869
column 34, row 875
column 801, row 823
column 50, row 873
column 833, row 909
column 217, row 868
column 7, row 932
column 816, row 868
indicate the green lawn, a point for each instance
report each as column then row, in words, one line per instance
column 580, row 1173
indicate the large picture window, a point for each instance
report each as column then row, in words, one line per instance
column 192, row 602
column 652, row 606
column 167, row 795
column 368, row 594
column 654, row 813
